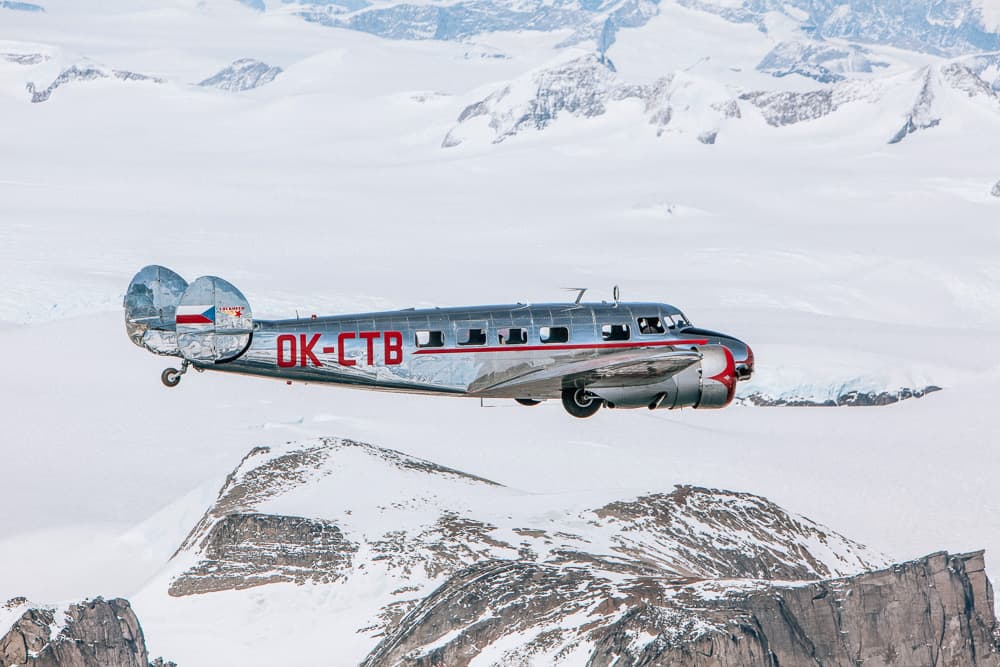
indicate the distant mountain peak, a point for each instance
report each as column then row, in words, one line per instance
column 242, row 74
column 85, row 71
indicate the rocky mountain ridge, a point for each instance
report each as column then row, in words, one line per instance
column 931, row 611
column 84, row 72
column 471, row 569
column 942, row 27
column 428, row 521
column 587, row 86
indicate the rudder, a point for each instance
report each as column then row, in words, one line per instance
column 214, row 322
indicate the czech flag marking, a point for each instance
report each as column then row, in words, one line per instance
column 195, row 314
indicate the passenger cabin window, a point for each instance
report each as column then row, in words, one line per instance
column 472, row 337
column 513, row 336
column 553, row 334
column 614, row 331
column 650, row 325
column 430, row 339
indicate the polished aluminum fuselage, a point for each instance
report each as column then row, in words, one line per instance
column 380, row 350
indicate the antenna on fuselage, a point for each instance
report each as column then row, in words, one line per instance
column 579, row 296
column 616, row 294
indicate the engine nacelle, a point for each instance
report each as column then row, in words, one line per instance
column 710, row 383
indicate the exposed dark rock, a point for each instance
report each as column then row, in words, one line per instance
column 708, row 137
column 933, row 611
column 996, row 190
column 849, row 398
column 247, row 550
column 94, row 633
column 84, row 73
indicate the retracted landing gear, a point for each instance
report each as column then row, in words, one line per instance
column 171, row 377
column 580, row 402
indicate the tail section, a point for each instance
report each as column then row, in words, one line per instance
column 208, row 321
column 214, row 321
column 150, row 308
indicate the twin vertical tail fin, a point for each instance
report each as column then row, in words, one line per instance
column 150, row 308
column 208, row 321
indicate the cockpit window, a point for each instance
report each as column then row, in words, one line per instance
column 615, row 332
column 512, row 336
column 650, row 325
column 676, row 321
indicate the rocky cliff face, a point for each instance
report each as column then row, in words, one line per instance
column 934, row 611
column 94, row 633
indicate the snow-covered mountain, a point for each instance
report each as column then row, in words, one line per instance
column 948, row 27
column 411, row 562
column 243, row 74
column 74, row 73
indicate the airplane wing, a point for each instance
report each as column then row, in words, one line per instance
column 632, row 366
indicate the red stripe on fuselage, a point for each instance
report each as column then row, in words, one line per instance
column 193, row 319
column 558, row 346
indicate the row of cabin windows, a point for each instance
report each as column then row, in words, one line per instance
column 519, row 335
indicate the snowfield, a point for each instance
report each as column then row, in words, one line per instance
column 846, row 262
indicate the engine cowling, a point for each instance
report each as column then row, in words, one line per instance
column 710, row 383
column 718, row 378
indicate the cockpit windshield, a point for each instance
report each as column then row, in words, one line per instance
column 676, row 320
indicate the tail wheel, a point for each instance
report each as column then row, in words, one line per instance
column 527, row 401
column 170, row 377
column 580, row 402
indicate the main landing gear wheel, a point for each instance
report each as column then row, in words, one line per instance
column 171, row 377
column 581, row 403
column 527, row 401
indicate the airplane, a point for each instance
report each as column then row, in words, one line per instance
column 588, row 355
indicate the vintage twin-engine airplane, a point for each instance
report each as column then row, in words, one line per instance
column 620, row 355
